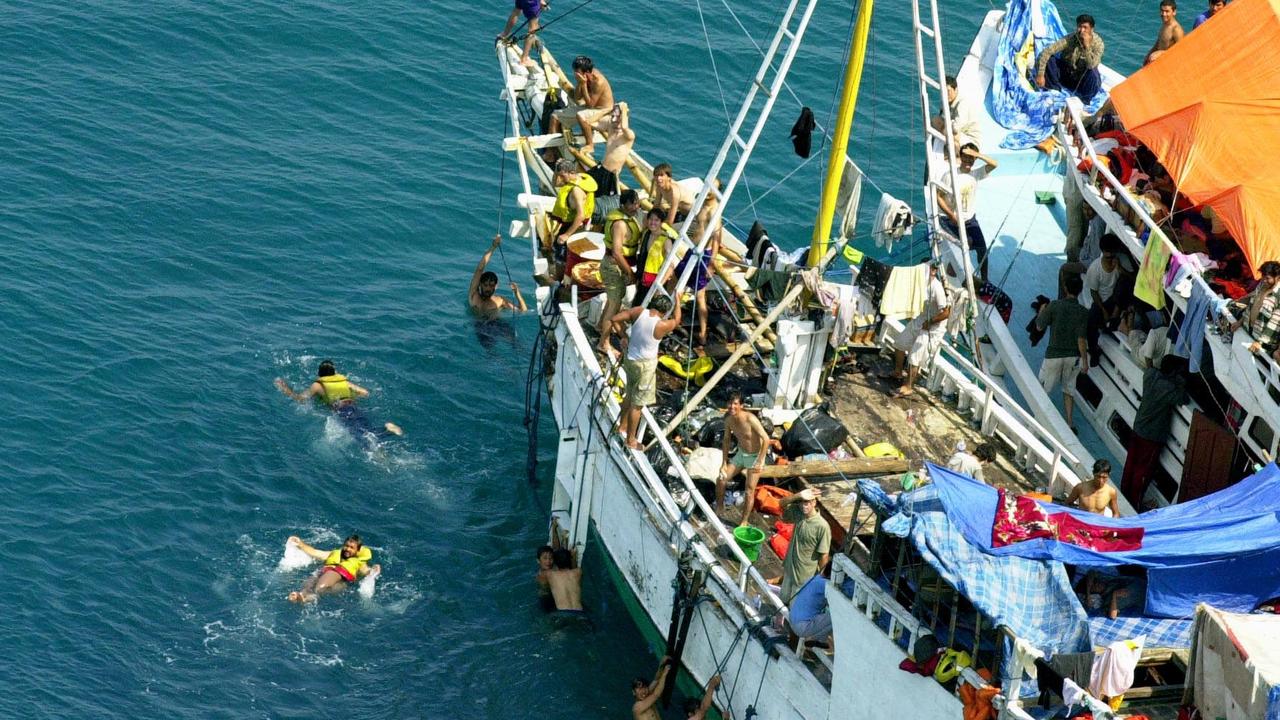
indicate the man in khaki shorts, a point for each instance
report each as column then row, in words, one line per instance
column 1067, row 354
column 647, row 330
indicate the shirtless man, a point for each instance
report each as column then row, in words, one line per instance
column 753, row 444
column 621, row 138
column 565, row 582
column 545, row 565
column 667, row 194
column 1170, row 30
column 480, row 295
column 1096, row 494
column 697, row 710
column 647, row 694
column 594, row 98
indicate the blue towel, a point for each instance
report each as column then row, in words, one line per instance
column 1191, row 332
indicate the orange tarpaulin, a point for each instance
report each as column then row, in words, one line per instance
column 1209, row 108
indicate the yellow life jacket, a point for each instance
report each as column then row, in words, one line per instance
column 632, row 242
column 656, row 255
column 336, row 389
column 352, row 564
column 561, row 210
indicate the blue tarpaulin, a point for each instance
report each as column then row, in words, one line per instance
column 1032, row 597
column 1222, row 549
column 1029, row 27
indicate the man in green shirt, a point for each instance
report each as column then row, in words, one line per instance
column 1067, row 354
column 810, row 546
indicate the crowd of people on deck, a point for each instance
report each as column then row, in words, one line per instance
column 1095, row 297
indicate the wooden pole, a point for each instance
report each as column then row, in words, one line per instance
column 851, row 467
column 747, row 303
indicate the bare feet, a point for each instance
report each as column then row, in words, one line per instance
column 301, row 597
column 394, row 429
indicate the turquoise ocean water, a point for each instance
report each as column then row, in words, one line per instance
column 196, row 198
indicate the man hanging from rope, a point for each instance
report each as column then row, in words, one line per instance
column 481, row 297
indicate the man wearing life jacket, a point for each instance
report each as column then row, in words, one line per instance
column 575, row 201
column 481, row 297
column 622, row 233
column 342, row 566
column 339, row 395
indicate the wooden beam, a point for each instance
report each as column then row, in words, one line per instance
column 851, row 467
column 747, row 303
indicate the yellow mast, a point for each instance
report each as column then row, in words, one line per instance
column 840, row 140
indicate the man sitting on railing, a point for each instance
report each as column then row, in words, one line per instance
column 1071, row 63
column 1259, row 311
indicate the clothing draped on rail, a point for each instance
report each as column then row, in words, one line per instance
column 904, row 294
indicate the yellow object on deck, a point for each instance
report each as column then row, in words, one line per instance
column 883, row 449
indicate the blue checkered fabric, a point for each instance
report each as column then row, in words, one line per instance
column 1160, row 632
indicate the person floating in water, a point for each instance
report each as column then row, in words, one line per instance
column 340, row 395
column 342, row 567
column 481, row 297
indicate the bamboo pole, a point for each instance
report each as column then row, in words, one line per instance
column 747, row 303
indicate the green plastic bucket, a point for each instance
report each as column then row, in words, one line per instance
column 749, row 539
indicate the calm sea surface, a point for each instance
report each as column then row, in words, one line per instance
column 196, row 198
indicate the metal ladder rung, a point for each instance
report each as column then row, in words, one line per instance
column 925, row 31
column 737, row 140
column 936, row 133
column 786, row 32
column 940, row 185
column 931, row 82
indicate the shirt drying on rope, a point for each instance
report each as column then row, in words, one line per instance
column 893, row 220
column 802, row 133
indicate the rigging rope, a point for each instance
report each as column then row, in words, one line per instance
column 502, row 179
column 520, row 38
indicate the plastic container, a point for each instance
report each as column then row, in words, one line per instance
column 749, row 539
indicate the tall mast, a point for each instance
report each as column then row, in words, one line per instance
column 840, row 140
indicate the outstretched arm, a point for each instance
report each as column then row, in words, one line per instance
column 708, row 698
column 357, row 389
column 484, row 262
column 519, row 299
column 317, row 554
column 301, row 397
column 655, row 688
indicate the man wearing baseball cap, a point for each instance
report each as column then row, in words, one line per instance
column 810, row 546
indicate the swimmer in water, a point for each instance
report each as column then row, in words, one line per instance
column 342, row 567
column 481, row 297
column 339, row 394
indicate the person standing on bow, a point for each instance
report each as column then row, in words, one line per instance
column 622, row 238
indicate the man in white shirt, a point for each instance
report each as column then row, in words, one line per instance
column 965, row 210
column 922, row 336
column 972, row 465
column 964, row 117
column 1102, row 285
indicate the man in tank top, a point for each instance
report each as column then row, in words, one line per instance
column 641, row 364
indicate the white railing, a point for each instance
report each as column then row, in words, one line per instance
column 1074, row 137
column 659, row 497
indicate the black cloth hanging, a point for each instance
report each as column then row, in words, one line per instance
column 872, row 277
column 802, row 133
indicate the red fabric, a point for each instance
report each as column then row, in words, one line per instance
column 767, row 499
column 343, row 573
column 784, row 528
column 1021, row 518
column 1138, row 464
column 780, row 544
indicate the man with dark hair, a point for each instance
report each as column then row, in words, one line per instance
column 1163, row 391
column 965, row 127
column 972, row 465
column 964, row 210
column 1214, row 7
column 1109, row 290
column 342, row 566
column 481, row 297
column 695, row 709
column 647, row 693
column 922, row 338
column 622, row 238
column 565, row 581
column 594, row 98
column 575, row 201
column 653, row 251
column 648, row 327
column 1259, row 311
column 545, row 564
column 742, row 425
column 1071, row 63
column 1067, row 354
column 339, row 395
column 1096, row 494
column 1170, row 30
